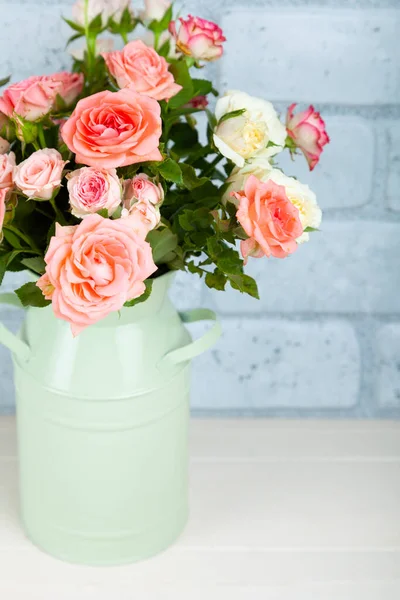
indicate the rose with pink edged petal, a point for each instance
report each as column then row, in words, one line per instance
column 92, row 269
column 140, row 68
column 198, row 38
column 92, row 189
column 268, row 217
column 114, row 129
column 7, row 170
column 31, row 98
column 40, row 174
column 307, row 130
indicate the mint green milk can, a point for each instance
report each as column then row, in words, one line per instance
column 103, row 429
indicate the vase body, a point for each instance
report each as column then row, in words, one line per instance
column 103, row 433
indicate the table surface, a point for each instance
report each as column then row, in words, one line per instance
column 280, row 510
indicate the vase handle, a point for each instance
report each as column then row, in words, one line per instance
column 201, row 344
column 7, row 338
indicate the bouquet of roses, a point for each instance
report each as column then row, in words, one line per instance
column 105, row 183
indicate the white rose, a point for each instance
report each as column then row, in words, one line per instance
column 155, row 9
column 107, row 9
column 302, row 197
column 102, row 45
column 242, row 137
column 259, row 166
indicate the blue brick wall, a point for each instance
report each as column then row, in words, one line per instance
column 325, row 337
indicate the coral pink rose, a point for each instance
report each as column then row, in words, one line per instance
column 32, row 98
column 114, row 129
column 198, row 38
column 72, row 85
column 268, row 217
column 154, row 10
column 7, row 169
column 94, row 268
column 40, row 175
column 140, row 68
column 142, row 217
column 307, row 130
column 92, row 189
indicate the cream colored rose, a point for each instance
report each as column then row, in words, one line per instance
column 303, row 198
column 242, row 137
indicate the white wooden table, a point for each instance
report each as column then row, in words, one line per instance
column 281, row 510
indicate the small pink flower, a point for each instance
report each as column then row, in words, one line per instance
column 114, row 129
column 154, row 10
column 142, row 217
column 72, row 85
column 92, row 189
column 198, row 38
column 199, row 102
column 307, row 130
column 32, row 98
column 40, row 175
column 268, row 217
column 94, row 268
column 7, row 169
column 140, row 68
column 4, row 145
column 141, row 188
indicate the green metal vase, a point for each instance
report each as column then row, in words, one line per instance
column 103, row 429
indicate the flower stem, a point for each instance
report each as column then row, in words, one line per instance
column 124, row 37
column 42, row 138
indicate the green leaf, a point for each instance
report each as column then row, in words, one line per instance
column 231, row 115
column 184, row 136
column 201, row 87
column 5, row 80
column 75, row 26
column 162, row 242
column 310, row 229
column 96, row 24
column 149, row 285
column 216, row 280
column 31, row 295
column 162, row 24
column 170, row 170
column 35, row 264
column 181, row 74
column 190, row 178
column 103, row 212
column 186, row 220
column 230, row 262
column 245, row 284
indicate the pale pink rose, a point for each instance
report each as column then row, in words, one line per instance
column 3, row 199
column 40, row 175
column 114, row 129
column 307, row 130
column 268, row 217
column 141, row 188
column 31, row 99
column 92, row 189
column 154, row 10
column 94, row 268
column 198, row 38
column 142, row 217
column 140, row 68
column 4, row 145
column 7, row 169
column 199, row 102
column 72, row 85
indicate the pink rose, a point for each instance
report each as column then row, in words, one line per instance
column 94, row 268
column 7, row 169
column 32, row 98
column 142, row 217
column 307, row 130
column 140, row 68
column 92, row 189
column 114, row 129
column 72, row 85
column 4, row 145
column 268, row 217
column 40, row 175
column 154, row 10
column 199, row 102
column 198, row 38
column 141, row 188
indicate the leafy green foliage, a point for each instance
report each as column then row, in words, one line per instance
column 149, row 285
column 30, row 295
